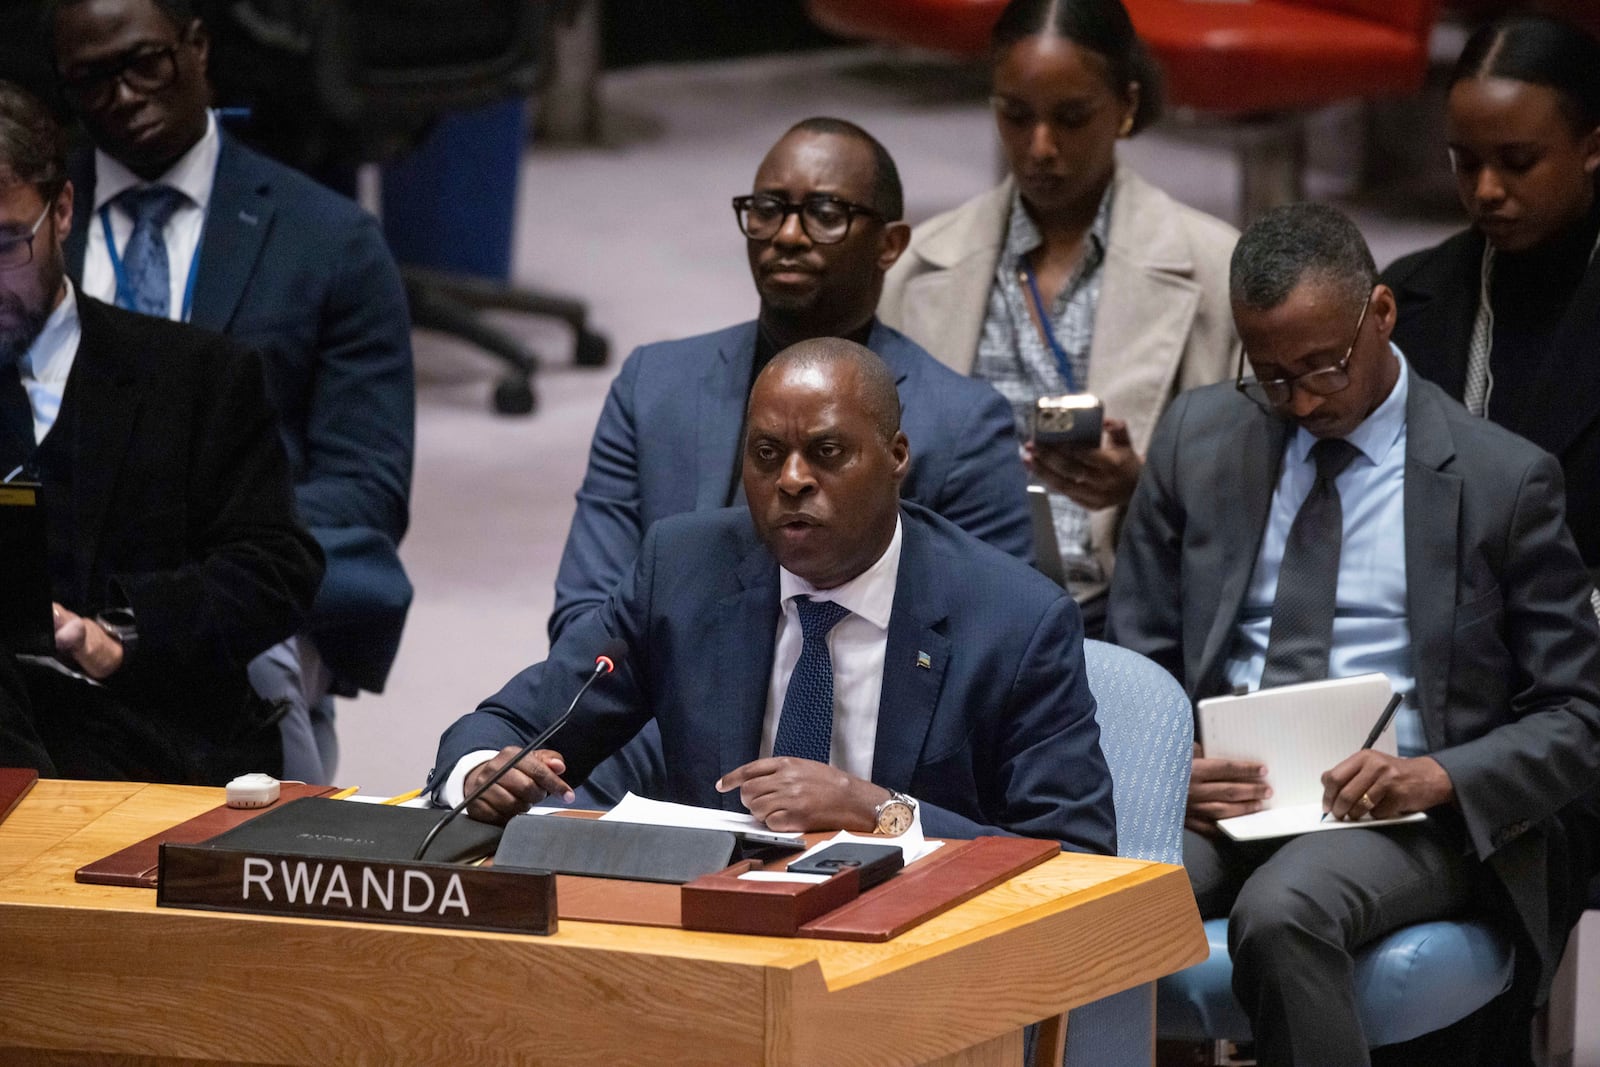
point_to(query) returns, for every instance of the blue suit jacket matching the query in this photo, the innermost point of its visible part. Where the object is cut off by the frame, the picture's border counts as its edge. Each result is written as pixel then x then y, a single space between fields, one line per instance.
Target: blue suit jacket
pixel 668 442
pixel 996 734
pixel 302 275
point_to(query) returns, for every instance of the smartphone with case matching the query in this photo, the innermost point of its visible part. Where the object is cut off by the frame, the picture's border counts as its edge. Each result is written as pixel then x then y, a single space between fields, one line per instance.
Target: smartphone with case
pixel 1069 421
pixel 873 863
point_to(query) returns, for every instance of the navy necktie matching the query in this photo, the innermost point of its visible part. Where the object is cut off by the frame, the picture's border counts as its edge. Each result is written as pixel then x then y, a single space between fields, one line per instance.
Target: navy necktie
pixel 145 285
pixel 805 726
pixel 1301 637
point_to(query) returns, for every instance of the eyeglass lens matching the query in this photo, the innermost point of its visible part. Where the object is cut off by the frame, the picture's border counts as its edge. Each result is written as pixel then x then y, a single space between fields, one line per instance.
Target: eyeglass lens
pixel 146 71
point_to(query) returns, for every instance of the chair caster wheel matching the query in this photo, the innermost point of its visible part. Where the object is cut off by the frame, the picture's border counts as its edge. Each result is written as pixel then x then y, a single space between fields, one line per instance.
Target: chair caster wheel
pixel 514 396
pixel 592 349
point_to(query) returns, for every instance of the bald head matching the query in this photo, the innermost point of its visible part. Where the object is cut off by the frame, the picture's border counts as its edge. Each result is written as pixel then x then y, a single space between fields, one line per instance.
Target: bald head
pixel 872 384
pixel 824 459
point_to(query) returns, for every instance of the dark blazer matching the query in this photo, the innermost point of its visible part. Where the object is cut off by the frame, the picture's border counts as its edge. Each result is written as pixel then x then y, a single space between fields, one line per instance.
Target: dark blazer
pixel 1437 290
pixel 995 734
pixel 1504 644
pixel 668 442
pixel 181 509
pixel 302 275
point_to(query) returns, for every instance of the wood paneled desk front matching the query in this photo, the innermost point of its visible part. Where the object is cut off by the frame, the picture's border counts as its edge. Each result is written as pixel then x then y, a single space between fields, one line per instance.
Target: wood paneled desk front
pixel 100 970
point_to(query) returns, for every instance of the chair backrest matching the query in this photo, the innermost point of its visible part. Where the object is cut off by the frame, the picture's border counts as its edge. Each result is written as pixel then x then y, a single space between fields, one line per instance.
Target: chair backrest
pixel 1414 17
pixel 1147 735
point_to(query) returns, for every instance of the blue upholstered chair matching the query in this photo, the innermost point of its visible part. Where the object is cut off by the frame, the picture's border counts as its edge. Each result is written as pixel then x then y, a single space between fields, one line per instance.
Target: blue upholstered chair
pixel 1146 733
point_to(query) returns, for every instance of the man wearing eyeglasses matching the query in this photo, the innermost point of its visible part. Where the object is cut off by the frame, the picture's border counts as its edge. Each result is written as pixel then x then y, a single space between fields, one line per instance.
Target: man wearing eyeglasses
pixel 821 227
pixel 171 544
pixel 1332 514
pixel 176 219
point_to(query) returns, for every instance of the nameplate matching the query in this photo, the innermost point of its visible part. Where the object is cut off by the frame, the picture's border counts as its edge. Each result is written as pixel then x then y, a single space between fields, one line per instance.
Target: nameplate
pixel 355 890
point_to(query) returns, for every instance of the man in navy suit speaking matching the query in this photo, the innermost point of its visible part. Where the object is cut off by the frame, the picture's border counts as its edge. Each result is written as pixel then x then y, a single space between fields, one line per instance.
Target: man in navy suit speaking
pixel 826 658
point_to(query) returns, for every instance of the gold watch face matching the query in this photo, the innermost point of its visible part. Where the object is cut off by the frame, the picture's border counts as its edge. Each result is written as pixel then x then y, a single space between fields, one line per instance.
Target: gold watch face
pixel 895 818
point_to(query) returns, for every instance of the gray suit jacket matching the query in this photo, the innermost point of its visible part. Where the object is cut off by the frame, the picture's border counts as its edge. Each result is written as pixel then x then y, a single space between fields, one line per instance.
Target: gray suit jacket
pixel 1504 645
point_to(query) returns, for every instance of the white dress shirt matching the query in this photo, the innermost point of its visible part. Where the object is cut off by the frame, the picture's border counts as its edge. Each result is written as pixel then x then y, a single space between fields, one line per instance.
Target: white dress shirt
pixel 857 645
pixel 193 175
pixel 48 361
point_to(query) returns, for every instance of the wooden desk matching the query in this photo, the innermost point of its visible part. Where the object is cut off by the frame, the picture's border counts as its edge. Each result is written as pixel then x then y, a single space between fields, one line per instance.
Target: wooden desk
pixel 101 969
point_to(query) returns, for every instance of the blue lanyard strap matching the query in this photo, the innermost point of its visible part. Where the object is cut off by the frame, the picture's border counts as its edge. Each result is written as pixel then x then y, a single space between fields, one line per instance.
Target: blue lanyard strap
pixel 1062 362
pixel 124 297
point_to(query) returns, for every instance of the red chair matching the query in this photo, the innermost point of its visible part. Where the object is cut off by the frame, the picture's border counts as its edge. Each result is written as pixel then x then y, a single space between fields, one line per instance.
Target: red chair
pixel 1259 65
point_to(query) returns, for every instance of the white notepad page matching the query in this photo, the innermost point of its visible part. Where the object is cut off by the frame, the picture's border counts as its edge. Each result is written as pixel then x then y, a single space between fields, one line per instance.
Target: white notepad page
pixel 1298 731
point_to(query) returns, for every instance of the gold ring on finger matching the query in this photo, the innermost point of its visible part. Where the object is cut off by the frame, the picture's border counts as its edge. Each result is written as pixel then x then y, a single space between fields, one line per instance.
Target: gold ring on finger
pixel 1366 802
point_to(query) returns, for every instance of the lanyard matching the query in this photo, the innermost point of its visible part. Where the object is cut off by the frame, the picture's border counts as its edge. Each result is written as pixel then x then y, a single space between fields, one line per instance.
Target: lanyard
pixel 1064 364
pixel 124 297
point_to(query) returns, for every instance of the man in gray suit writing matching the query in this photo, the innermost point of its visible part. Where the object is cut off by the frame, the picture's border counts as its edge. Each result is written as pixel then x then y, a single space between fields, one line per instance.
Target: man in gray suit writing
pixel 1370 524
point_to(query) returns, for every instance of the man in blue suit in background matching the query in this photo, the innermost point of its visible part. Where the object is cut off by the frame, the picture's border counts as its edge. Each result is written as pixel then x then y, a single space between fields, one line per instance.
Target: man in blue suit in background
pixel 828 657
pixel 176 219
pixel 822 227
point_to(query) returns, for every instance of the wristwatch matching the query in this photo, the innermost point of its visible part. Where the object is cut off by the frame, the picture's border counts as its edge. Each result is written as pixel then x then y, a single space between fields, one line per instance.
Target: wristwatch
pixel 120 624
pixel 896 814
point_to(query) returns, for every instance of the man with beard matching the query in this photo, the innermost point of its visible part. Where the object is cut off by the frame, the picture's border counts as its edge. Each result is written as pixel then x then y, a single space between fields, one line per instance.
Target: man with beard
pixel 827 657
pixel 174 554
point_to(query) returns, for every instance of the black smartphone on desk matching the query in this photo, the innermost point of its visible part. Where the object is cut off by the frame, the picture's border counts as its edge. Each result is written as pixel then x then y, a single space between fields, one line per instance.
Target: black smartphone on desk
pixel 873 863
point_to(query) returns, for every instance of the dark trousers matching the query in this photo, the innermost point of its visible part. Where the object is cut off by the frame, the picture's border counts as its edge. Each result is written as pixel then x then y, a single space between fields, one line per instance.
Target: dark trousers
pixel 1299 908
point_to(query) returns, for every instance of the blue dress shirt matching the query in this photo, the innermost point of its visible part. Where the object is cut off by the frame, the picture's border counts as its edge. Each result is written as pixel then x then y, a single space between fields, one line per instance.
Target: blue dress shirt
pixel 1371 631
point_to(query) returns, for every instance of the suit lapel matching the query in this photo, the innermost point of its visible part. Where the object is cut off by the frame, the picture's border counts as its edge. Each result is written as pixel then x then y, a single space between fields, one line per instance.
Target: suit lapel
pixel 910 691
pixel 237 221
pixel 724 388
pixel 1553 414
pixel 945 307
pixel 1432 508
pixel 742 638
pixel 103 391
pixel 1248 485
pixel 1440 304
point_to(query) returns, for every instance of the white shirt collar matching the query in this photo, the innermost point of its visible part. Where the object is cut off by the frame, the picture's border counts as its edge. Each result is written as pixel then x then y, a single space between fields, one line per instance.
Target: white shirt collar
pixel 869 594
pixel 49 358
pixel 193 174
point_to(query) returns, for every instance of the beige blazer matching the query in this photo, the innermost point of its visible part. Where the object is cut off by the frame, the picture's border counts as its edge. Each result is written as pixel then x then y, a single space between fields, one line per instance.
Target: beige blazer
pixel 1163 324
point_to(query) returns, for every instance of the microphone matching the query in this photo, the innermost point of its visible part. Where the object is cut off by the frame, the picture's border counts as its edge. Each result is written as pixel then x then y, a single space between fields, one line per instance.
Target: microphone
pixel 613 653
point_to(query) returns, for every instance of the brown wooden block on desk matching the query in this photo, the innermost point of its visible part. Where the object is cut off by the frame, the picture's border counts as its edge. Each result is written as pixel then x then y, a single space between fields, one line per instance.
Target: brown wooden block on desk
pixel 137 864
pixel 726 903
pixel 14 785
pixel 953 875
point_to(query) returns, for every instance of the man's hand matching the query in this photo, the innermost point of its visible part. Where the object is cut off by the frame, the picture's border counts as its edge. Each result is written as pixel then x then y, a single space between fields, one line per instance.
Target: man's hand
pixel 1223 789
pixel 86 643
pixel 536 777
pixel 793 795
pixel 1093 478
pixel 1384 787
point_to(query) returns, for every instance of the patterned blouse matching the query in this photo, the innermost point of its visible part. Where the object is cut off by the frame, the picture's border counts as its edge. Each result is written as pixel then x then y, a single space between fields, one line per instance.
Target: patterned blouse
pixel 1015 358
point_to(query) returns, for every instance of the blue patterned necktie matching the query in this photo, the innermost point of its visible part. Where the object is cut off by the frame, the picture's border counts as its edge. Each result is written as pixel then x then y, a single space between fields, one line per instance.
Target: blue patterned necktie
pixel 145 285
pixel 805 726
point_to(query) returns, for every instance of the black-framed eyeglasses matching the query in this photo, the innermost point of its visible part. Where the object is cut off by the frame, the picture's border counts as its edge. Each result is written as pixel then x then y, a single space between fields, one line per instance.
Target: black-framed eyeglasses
pixel 825 219
pixel 143 70
pixel 18 251
pixel 1274 393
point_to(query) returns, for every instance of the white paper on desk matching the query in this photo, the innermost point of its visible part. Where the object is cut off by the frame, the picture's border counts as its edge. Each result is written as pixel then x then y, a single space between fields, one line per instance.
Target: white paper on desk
pixel 1300 819
pixel 639 809
pixel 1298 731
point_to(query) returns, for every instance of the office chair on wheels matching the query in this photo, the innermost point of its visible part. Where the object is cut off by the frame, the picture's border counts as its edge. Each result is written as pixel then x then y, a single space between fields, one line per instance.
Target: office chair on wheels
pixel 338 83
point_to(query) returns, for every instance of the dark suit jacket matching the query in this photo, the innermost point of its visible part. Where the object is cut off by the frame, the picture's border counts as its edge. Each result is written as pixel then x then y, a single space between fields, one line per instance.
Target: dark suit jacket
pixel 181 509
pixel 668 441
pixel 1437 290
pixel 302 275
pixel 996 735
pixel 1504 644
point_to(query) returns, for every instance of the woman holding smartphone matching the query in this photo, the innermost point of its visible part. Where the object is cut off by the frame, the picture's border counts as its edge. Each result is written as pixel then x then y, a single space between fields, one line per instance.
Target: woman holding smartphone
pixel 1505 316
pixel 1074 275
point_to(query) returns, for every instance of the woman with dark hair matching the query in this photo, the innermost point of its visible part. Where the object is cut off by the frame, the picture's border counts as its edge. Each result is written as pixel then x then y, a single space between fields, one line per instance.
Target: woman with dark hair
pixel 1505 316
pixel 1074 275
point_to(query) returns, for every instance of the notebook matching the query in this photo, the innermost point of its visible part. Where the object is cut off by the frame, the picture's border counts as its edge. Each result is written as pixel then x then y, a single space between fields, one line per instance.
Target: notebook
pixel 316 826
pixel 1298 731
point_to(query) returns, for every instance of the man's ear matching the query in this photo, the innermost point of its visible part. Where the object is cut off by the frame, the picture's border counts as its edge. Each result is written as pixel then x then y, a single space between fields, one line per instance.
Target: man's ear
pixel 201 41
pixel 62 210
pixel 900 449
pixel 1385 309
pixel 896 235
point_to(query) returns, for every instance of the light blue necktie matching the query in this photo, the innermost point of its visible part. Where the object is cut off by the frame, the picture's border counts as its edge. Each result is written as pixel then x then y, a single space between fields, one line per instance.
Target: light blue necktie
pixel 805 726
pixel 145 285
